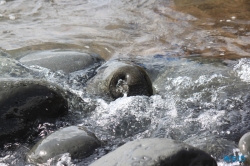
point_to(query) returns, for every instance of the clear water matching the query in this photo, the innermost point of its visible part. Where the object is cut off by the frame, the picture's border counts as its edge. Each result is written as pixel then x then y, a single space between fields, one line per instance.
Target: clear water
pixel 195 52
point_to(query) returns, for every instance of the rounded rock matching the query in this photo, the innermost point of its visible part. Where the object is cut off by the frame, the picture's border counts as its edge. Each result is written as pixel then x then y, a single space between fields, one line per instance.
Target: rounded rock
pixel 22 103
pixel 156 151
pixel 132 80
pixel 244 146
pixel 68 61
pixel 120 79
pixel 74 140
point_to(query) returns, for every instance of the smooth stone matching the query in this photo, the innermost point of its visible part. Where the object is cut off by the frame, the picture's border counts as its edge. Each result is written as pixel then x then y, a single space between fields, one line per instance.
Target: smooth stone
pixel 244 146
pixel 77 141
pixel 156 151
pixel 68 61
pixel 24 102
pixel 217 147
pixel 118 79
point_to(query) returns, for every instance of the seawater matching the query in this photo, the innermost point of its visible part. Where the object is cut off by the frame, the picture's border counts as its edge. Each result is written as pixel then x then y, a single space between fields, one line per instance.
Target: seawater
pixel 194 51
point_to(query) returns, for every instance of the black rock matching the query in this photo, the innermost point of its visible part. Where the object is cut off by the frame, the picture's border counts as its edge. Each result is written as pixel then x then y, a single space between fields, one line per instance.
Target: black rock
pixel 22 103
pixel 119 79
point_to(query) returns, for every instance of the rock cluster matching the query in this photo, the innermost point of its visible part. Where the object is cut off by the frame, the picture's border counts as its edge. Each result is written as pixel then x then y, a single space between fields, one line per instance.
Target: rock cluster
pixel 24 102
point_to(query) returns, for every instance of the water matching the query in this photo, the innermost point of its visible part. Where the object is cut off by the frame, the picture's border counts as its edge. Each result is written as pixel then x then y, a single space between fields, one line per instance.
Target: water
pixel 194 50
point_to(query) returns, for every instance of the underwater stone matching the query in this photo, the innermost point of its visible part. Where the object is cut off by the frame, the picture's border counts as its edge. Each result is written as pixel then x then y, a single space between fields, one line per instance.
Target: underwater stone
pixel 22 103
pixel 77 141
pixel 68 61
pixel 118 78
pixel 213 145
pixel 244 146
pixel 156 151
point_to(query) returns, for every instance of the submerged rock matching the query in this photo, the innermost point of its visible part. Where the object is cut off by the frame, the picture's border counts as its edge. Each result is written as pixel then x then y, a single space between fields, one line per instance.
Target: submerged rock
pixel 22 103
pixel 68 61
pixel 77 141
pixel 217 147
pixel 244 146
pixel 117 79
pixel 156 151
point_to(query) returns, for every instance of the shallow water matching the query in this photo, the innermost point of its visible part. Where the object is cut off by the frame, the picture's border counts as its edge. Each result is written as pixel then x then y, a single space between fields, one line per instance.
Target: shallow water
pixel 194 50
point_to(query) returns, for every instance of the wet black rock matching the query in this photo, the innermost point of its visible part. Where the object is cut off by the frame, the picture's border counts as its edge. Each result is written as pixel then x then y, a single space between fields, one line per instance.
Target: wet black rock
pixel 156 151
pixel 117 79
pixel 25 102
pixel 77 141
pixel 68 61
pixel 244 146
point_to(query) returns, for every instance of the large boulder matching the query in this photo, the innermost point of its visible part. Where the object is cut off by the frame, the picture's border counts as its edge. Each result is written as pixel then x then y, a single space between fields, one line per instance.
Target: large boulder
pixel 156 152
pixel 68 61
pixel 24 102
pixel 118 79
pixel 74 140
